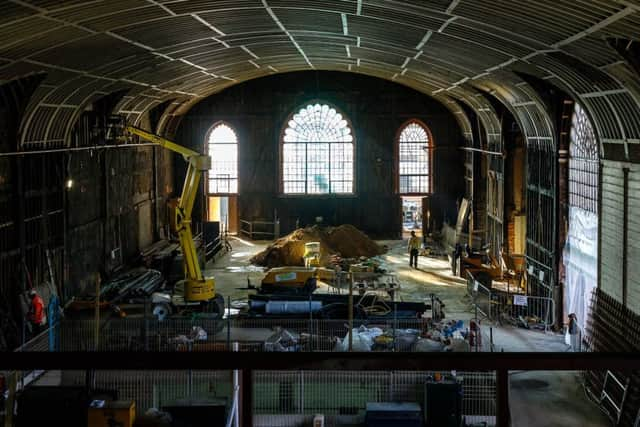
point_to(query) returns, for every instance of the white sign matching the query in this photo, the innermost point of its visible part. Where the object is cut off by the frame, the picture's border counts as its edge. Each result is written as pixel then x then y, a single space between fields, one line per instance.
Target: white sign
pixel 541 275
pixel 475 286
pixel 285 277
pixel 520 300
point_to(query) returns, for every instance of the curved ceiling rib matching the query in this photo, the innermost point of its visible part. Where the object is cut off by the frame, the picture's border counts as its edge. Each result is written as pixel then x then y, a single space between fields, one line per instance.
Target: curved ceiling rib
pixel 526 106
pixel 186 50
pixel 460 116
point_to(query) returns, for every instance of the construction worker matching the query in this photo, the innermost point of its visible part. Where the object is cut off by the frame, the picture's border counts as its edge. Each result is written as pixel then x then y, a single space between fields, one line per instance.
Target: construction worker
pixel 37 316
pixel 574 332
pixel 413 248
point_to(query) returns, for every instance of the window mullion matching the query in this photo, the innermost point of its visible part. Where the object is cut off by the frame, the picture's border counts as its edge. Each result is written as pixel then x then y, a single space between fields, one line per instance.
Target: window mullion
pixel 306 168
pixel 330 170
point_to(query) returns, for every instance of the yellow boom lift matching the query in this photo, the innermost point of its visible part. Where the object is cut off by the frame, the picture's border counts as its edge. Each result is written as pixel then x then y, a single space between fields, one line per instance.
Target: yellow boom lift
pixel 195 289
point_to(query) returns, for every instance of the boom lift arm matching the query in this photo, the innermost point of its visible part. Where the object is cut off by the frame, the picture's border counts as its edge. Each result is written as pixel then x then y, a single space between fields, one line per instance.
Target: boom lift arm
pixel 196 287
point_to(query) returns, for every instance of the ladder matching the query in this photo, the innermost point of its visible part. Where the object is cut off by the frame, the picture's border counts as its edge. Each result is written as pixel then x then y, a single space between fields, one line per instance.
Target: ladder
pixel 607 396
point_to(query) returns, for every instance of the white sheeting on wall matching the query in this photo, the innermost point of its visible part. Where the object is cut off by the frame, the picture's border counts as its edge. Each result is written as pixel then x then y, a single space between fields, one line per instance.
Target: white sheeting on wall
pixel 580 262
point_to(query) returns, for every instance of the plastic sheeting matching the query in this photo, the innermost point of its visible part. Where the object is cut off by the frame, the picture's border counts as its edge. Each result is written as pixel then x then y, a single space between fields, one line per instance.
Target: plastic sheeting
pixel 580 262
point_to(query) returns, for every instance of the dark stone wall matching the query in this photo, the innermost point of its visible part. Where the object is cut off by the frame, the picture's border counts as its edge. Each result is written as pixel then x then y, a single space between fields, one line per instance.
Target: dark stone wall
pixel 110 205
pixel 258 109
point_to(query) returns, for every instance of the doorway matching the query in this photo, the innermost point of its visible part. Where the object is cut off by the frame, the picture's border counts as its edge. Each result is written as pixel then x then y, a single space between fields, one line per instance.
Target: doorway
pixel 411 215
pixel 225 210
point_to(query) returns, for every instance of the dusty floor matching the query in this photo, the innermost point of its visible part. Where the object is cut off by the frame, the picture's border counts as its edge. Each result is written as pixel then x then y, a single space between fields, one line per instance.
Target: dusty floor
pixel 536 398
pixel 433 276
pixel 548 399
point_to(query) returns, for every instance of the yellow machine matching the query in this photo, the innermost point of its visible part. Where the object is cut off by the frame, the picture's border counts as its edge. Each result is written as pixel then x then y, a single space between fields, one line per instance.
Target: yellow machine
pixel 294 280
pixel 311 254
pixel 195 287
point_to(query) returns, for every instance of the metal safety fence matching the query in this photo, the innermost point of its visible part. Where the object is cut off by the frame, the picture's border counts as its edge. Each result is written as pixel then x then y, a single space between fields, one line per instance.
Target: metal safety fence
pixel 504 307
pixel 613 327
pixel 286 398
pixel 293 398
pixel 156 389
pixel 39 342
pixel 131 335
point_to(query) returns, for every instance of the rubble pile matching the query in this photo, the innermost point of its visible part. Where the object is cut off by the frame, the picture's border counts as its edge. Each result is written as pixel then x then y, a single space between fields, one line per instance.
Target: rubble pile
pixel 344 241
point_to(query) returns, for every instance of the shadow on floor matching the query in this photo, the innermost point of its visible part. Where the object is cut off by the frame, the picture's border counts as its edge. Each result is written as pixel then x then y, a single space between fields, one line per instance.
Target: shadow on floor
pixel 549 399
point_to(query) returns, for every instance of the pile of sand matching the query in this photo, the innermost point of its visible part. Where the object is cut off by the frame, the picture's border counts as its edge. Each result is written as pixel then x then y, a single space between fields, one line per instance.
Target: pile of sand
pixel 345 240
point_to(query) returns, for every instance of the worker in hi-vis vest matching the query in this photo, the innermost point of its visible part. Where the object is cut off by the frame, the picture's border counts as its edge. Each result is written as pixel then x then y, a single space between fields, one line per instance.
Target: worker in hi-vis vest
pixel 414 248
pixel 37 315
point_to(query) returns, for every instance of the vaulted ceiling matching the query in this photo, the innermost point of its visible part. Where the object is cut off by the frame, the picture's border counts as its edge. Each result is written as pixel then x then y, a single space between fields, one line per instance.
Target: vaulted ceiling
pixel 184 50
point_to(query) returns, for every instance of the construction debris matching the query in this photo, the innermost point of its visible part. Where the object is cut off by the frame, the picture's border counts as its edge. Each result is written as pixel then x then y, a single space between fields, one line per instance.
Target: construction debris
pixel 282 340
pixel 444 336
pixel 138 282
pixel 363 339
pixel 197 334
pixel 345 240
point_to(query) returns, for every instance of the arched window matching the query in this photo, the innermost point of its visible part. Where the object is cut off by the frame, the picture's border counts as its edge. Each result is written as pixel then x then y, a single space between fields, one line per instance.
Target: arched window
pixel 580 255
pixel 317 152
pixel 223 149
pixel 583 162
pixel 414 159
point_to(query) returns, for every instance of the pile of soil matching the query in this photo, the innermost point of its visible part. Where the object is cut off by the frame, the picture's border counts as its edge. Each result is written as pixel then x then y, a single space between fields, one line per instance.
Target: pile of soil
pixel 344 240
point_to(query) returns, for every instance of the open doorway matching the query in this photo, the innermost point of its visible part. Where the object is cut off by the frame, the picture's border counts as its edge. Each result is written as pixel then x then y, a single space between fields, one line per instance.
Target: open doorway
pixel 224 209
pixel 222 177
pixel 411 215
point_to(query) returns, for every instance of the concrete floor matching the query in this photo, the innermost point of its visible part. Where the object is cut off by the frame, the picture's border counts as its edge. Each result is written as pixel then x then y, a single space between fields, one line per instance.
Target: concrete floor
pixel 549 399
pixel 433 275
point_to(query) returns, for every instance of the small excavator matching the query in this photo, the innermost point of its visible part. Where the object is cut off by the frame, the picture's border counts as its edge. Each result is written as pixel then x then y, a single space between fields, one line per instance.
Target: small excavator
pixel 195 293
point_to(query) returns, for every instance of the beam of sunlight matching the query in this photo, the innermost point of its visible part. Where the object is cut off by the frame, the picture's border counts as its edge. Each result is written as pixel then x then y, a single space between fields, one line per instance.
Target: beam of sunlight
pixel 418 277
pixel 396 260
pixel 244 242
pixel 239 254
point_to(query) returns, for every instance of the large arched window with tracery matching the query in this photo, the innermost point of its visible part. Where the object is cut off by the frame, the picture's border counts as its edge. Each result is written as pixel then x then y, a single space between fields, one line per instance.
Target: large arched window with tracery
pixel 317 152
pixel 414 159
pixel 580 255
pixel 222 144
pixel 583 162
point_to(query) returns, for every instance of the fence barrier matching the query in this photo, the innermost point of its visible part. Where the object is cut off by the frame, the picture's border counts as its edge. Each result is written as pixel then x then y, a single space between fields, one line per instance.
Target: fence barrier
pixel 154 389
pixel 260 230
pixel 499 306
pixel 290 397
pixel 250 335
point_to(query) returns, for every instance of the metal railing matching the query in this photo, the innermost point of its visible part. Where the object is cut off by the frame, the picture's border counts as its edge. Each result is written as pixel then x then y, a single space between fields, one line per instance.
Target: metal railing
pixel 155 389
pixel 260 230
pixel 499 363
pixel 250 335
pixel 38 343
pixel 289 398
pixel 500 306
pixel 480 297
pixel 541 310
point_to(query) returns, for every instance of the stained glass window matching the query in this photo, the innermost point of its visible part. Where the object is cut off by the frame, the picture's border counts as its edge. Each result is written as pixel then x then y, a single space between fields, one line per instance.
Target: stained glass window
pixel 583 162
pixel 414 153
pixel 317 152
pixel 223 149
